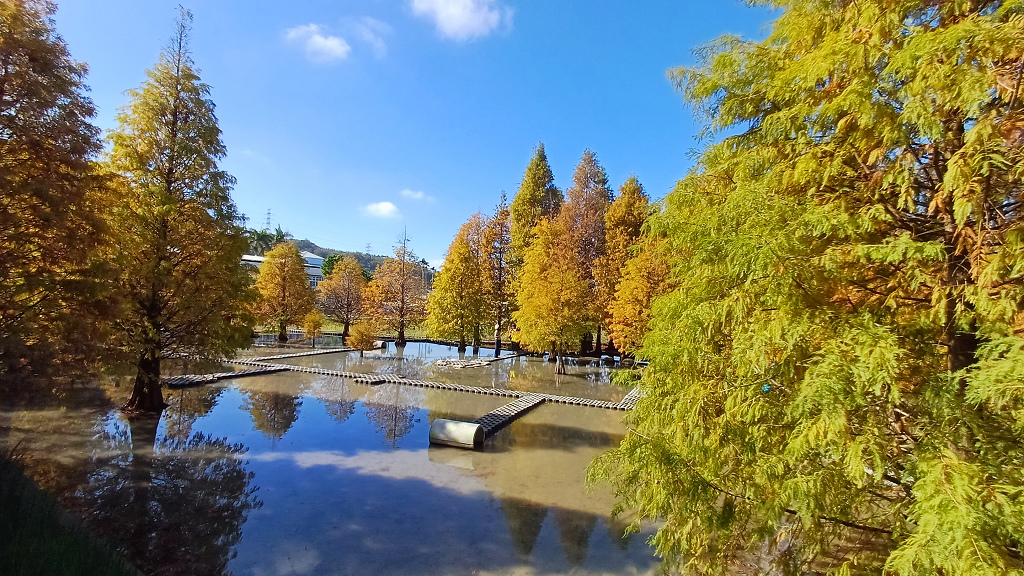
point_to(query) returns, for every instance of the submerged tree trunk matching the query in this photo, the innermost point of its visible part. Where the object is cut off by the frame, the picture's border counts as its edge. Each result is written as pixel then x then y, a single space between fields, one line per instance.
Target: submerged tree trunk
pixel 462 344
pixel 282 332
pixel 559 362
pixel 344 331
pixel 497 339
pixel 476 340
pixel 597 342
pixel 147 393
pixel 400 341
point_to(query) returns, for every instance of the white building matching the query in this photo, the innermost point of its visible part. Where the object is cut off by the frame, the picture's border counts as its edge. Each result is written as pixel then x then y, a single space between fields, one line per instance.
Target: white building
pixel 313 263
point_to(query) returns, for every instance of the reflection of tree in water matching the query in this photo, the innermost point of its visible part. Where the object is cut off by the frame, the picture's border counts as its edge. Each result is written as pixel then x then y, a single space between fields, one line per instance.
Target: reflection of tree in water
pixel 337 396
pixel 524 520
pixel 273 413
pixel 574 530
pixel 187 405
pixel 176 505
pixel 390 412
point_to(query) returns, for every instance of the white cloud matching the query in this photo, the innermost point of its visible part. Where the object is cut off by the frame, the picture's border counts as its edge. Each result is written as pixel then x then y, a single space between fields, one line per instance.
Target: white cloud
pixel 464 19
pixel 381 210
pixel 415 195
pixel 319 45
pixel 372 32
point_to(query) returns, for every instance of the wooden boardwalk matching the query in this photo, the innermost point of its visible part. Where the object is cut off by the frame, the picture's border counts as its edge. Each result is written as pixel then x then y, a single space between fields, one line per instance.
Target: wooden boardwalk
pixel 261 366
pixel 189 380
pixel 498 419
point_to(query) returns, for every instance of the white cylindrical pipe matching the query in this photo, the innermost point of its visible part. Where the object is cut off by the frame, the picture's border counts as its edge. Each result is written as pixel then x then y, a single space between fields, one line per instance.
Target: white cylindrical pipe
pixel 455 433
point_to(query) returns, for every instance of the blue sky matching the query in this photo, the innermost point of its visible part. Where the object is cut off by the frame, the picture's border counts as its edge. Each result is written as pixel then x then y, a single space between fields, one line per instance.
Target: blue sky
pixel 352 120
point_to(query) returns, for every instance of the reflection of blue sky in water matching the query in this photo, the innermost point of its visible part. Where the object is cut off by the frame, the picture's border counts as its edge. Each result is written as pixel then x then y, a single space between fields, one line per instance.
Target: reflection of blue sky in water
pixel 347 484
pixel 529 374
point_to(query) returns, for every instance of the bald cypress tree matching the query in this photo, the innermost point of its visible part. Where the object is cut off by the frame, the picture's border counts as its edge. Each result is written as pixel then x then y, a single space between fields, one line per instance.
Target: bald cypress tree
pixel 179 239
pixel 623 221
pixel 836 380
pixel 50 228
pixel 537 198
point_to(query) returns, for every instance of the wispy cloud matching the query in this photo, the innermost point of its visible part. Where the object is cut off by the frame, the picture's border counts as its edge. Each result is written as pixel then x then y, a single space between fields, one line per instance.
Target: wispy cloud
pixel 415 195
pixel 372 32
pixel 320 46
pixel 381 210
pixel 464 19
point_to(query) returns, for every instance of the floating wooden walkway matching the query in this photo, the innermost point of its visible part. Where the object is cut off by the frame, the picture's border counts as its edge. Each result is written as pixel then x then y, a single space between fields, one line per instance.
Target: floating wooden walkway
pixel 261 366
pixel 190 380
pixel 297 354
pixel 498 419
pixel 364 378
pixel 475 362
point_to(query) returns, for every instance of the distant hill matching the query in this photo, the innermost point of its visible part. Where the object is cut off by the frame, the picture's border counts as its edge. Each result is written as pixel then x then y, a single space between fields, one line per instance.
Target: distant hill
pixel 369 262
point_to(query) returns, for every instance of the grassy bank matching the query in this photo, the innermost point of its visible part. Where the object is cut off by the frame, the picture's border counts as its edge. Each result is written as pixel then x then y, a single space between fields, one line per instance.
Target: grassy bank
pixel 38 538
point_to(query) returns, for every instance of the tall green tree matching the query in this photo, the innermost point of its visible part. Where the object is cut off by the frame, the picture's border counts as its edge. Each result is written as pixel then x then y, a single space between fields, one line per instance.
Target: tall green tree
pixel 285 296
pixel 836 380
pixel 260 241
pixel 537 198
pixel 457 306
pixel 50 201
pixel 178 237
pixel 552 294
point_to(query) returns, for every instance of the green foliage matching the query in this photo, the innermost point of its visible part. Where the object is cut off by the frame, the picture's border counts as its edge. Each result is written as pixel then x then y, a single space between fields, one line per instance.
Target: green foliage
pixel 328 265
pixel 538 197
pixel 838 367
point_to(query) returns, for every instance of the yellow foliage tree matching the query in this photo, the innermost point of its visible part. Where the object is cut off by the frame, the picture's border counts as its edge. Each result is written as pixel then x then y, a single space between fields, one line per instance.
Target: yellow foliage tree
pixel 396 297
pixel 340 295
pixel 178 238
pixel 622 224
pixel 285 294
pixel 363 335
pixel 645 276
pixel 553 295
pixel 457 307
pixel 313 325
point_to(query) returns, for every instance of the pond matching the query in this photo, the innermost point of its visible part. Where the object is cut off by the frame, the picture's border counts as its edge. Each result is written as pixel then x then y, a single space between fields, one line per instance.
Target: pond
pixel 295 473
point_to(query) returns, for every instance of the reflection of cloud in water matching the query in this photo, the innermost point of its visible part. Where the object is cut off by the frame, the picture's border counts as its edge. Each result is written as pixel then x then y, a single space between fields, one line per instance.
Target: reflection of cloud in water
pixel 401 465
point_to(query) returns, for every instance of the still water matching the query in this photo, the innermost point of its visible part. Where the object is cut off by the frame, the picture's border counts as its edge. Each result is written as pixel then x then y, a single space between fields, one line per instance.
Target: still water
pixel 294 473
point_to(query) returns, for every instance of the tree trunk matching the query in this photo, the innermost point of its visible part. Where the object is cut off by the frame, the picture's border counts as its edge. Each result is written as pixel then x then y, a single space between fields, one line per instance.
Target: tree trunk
pixel 462 344
pixel 476 340
pixel 597 342
pixel 559 363
pixel 400 341
pixel 147 393
pixel 344 332
pixel 497 339
pixel 553 355
pixel 282 332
